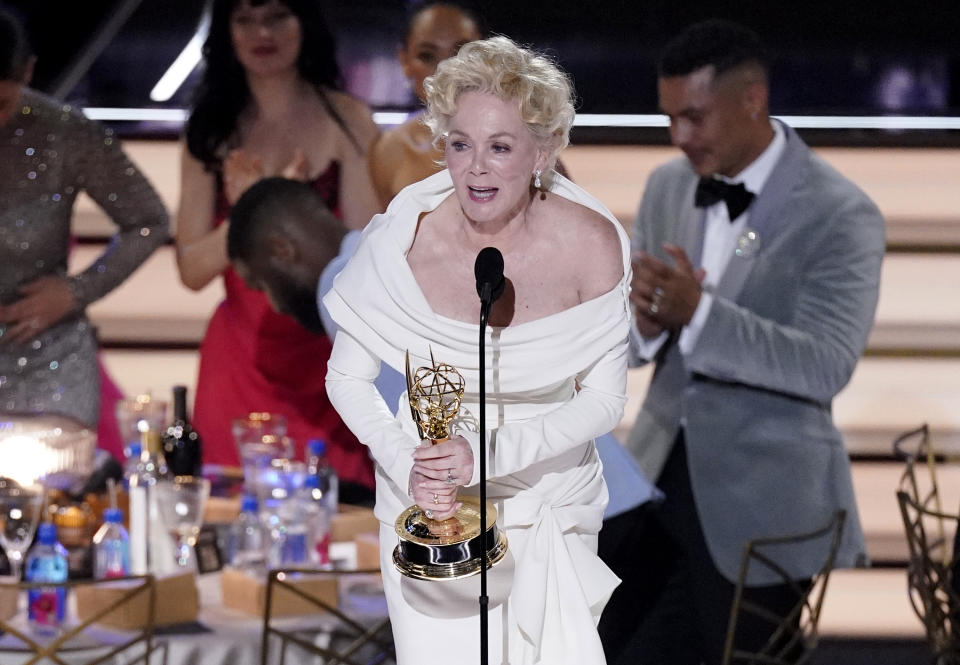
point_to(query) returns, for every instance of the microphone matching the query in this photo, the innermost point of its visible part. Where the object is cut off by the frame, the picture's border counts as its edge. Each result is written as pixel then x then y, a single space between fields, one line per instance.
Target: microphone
pixel 488 269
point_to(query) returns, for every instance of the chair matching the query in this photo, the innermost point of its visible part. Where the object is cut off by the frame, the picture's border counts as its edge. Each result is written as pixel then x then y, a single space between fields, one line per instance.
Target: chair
pixel 933 587
pixel 351 638
pixel 922 488
pixel 84 635
pixel 915 448
pixel 794 634
pixel 930 533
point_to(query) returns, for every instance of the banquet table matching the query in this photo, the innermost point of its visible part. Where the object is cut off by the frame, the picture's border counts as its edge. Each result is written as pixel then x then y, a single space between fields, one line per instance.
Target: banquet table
pixel 226 636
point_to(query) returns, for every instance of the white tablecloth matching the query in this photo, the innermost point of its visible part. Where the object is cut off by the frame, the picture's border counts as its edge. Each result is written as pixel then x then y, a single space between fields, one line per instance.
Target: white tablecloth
pixel 234 637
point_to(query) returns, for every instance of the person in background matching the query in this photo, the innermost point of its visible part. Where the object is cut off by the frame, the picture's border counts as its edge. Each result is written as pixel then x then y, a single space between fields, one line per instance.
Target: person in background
pixel 755 282
pixel 268 104
pixel 285 242
pixel 434 32
pixel 49 153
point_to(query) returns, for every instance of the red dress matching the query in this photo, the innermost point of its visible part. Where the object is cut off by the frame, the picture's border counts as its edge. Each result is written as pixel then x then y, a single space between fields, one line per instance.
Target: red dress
pixel 254 359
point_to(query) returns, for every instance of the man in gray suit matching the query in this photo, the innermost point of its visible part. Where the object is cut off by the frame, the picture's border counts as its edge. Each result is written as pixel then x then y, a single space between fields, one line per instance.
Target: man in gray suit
pixel 756 274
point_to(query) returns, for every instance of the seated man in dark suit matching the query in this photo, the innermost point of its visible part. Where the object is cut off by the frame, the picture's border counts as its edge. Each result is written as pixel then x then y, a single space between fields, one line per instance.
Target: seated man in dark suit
pixel 756 278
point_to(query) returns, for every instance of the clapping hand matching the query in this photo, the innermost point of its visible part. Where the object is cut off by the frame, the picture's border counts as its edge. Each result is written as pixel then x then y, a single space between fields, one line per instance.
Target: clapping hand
pixel 664 297
pixel 44 302
pixel 298 168
pixel 438 472
pixel 241 170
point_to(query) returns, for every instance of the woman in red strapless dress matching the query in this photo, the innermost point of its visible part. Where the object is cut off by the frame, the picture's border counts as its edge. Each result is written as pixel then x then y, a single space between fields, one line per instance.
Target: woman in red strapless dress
pixel 268 104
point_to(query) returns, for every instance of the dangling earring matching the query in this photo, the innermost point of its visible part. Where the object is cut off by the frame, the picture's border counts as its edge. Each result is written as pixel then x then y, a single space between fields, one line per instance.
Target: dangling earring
pixel 536 179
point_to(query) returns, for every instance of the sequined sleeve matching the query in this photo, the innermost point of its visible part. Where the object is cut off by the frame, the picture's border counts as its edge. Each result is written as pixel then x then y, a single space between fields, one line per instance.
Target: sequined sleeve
pixel 99 166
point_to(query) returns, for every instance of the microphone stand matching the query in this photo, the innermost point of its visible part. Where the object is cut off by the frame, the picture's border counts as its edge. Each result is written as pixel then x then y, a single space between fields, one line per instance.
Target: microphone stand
pixel 486 300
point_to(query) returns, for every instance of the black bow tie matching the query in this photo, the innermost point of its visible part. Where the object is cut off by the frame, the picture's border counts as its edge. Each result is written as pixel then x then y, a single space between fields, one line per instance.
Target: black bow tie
pixel 712 190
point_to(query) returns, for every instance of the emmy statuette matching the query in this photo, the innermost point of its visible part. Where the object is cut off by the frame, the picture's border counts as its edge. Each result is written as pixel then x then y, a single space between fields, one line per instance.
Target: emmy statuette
pixel 452 548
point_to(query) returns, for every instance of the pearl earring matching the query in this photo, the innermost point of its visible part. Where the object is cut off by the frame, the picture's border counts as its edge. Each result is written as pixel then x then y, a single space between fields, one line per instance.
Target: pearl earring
pixel 536 179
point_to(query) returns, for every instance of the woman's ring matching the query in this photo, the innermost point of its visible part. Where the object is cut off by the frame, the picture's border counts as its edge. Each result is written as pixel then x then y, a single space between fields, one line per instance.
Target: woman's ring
pixel 450 479
pixel 429 514
pixel 436 498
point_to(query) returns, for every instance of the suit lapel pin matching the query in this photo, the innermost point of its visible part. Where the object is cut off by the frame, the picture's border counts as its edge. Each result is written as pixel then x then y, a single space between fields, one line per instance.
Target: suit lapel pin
pixel 748 244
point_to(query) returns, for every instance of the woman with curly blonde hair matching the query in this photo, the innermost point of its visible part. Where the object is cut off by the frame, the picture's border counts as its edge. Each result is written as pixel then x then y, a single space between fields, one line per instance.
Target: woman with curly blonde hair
pixel 556 368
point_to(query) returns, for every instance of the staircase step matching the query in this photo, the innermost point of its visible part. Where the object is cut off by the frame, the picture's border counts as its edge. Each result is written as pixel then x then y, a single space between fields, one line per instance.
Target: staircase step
pixel 915 188
pixel 885 397
pixel 152 307
pixel 918 312
pixel 137 371
pixel 869 603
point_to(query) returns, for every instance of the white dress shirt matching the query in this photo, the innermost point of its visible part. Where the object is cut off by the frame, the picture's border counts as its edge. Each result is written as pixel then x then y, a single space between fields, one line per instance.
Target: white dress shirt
pixel 719 242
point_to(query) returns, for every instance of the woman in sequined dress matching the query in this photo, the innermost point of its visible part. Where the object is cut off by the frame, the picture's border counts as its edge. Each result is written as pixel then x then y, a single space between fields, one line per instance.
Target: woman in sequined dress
pixel 49 153
pixel 268 104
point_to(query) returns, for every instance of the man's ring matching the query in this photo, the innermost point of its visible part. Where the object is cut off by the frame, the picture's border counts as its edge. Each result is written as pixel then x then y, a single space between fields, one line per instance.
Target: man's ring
pixel 657 293
pixel 436 498
pixel 429 514
pixel 654 307
pixel 450 479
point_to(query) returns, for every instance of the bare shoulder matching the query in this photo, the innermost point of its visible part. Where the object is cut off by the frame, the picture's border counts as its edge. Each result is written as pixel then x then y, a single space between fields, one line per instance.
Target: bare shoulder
pixel 356 116
pixel 589 241
pixel 388 148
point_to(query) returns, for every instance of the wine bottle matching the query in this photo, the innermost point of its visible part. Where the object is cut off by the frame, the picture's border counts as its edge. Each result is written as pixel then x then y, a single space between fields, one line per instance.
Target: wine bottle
pixel 182 447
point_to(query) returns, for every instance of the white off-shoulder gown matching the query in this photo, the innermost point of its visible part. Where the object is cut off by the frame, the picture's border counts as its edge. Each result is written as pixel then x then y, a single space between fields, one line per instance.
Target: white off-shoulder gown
pixel 553 384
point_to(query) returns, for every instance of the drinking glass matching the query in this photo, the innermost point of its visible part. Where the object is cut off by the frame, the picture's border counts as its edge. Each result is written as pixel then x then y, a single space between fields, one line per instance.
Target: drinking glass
pixel 260 438
pixel 276 485
pixel 140 414
pixel 181 501
pixel 20 509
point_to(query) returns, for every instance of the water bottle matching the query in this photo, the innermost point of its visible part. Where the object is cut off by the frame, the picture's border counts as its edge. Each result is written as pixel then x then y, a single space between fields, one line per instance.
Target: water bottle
pixel 111 547
pixel 46 562
pixel 246 537
pixel 294 546
pixel 151 549
pixel 130 463
pixel 318 465
pixel 316 518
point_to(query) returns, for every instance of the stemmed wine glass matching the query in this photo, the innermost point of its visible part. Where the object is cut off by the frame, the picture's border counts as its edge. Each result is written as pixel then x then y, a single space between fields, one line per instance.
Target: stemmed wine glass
pixel 181 501
pixel 20 509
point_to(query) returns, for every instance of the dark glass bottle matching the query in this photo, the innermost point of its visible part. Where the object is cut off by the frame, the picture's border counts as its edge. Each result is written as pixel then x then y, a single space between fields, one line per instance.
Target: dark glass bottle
pixel 181 443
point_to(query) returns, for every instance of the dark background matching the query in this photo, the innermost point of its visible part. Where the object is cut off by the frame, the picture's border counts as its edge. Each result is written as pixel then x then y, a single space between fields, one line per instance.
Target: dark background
pixel 841 57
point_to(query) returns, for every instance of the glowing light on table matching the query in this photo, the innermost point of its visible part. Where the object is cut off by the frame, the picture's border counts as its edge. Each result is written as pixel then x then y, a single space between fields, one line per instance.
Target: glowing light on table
pixel 25 459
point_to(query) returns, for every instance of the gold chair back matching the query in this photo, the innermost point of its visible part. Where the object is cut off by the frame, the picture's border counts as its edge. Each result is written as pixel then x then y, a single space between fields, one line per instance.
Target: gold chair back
pixel 794 634
pixel 919 478
pixel 77 637
pixel 934 590
pixel 931 533
pixel 350 637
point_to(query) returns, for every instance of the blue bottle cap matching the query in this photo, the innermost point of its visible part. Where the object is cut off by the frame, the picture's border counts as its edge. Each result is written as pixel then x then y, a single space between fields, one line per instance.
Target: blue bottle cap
pixel 249 503
pixel 113 515
pixel 317 446
pixel 311 482
pixel 135 449
pixel 47 533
